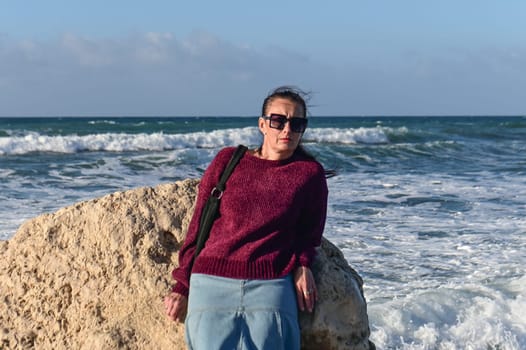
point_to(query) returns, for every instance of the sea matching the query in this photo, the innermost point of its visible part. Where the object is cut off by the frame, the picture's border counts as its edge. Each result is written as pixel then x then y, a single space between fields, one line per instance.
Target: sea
pixel 431 211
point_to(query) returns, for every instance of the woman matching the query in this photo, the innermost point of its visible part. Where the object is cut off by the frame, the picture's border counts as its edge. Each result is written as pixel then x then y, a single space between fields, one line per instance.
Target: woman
pixel 245 284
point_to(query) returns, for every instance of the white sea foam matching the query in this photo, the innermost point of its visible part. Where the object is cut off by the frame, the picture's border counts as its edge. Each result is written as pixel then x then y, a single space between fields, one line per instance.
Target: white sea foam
pixel 120 142
pixel 442 257
pixel 109 122
pixel 376 135
pixel 465 316
pixel 113 142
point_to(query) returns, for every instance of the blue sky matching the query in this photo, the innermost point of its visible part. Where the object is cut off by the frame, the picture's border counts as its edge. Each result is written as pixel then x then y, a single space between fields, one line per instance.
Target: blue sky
pixel 174 58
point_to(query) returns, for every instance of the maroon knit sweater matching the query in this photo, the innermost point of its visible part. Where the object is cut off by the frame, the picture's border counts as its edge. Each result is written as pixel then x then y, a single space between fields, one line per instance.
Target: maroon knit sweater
pixel 271 218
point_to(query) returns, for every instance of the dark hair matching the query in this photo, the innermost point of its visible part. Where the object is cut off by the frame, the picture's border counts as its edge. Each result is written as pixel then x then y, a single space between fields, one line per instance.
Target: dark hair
pixel 288 92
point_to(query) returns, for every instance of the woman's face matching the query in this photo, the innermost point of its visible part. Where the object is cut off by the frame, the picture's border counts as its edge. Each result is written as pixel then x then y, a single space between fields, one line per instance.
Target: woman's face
pixel 280 144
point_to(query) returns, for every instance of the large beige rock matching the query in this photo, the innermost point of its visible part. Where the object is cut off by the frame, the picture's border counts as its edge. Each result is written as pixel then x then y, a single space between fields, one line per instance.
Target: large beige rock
pixel 340 319
pixel 93 275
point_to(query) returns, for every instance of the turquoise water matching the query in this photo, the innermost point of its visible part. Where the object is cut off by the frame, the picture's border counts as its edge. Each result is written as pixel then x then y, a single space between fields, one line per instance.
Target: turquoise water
pixel 430 210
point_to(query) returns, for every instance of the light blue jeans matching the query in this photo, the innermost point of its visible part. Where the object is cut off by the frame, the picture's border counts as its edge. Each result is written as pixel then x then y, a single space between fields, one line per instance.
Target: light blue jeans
pixel 234 314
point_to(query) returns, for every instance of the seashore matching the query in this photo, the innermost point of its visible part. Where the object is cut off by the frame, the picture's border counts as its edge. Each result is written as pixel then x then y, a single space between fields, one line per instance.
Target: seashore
pixel 92 276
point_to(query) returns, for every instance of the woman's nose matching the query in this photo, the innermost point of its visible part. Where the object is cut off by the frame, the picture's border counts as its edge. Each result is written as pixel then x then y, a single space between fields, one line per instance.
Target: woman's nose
pixel 286 128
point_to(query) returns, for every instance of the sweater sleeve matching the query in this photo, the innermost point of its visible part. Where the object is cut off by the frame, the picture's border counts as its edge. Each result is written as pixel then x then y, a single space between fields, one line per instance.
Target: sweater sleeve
pixel 210 178
pixel 313 217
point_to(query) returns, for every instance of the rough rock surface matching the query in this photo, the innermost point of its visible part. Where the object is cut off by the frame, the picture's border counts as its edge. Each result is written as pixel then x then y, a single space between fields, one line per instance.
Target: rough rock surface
pixel 93 275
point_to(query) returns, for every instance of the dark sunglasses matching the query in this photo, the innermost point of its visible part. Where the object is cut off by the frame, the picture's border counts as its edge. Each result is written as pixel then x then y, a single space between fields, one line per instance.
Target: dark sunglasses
pixel 278 121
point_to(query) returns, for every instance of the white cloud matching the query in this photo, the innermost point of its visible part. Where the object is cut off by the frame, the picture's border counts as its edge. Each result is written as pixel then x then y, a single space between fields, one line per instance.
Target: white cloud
pixel 153 73
pixel 157 48
pixel 88 52
pixel 202 74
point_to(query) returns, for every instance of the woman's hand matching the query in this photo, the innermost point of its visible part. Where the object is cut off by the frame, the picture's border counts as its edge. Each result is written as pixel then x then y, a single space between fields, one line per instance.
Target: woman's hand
pixel 176 306
pixel 306 291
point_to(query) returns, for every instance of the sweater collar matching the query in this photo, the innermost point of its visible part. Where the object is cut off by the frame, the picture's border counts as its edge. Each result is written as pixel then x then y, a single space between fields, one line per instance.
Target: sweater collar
pixel 267 162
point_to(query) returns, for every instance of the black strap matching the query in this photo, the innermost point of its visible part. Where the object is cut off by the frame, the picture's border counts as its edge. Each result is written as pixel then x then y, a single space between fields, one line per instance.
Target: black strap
pixel 211 208
pixel 236 157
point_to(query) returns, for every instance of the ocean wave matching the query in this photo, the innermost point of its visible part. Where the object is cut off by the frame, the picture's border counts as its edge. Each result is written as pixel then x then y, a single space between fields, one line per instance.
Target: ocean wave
pixel 120 142
pixel 377 135
pixel 110 122
pixel 33 142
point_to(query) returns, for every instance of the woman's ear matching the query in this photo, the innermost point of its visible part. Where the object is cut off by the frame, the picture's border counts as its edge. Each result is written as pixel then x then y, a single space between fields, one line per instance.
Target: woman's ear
pixel 262 125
